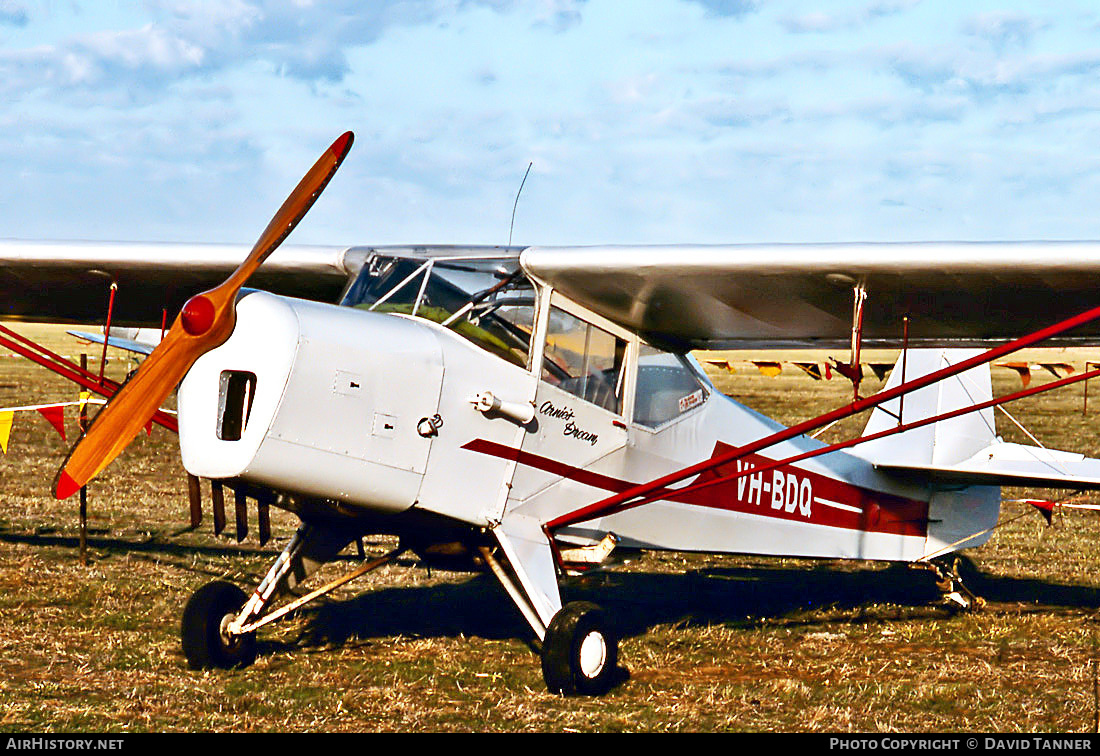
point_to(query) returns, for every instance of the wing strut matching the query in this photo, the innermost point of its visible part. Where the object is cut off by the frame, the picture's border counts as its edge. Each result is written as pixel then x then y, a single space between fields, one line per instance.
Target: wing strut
pixel 640 494
pixel 107 329
pixel 853 371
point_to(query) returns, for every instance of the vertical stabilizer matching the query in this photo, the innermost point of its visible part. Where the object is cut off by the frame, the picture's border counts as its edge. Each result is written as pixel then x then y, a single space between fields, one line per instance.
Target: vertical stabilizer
pixel 960 516
pixel 942 443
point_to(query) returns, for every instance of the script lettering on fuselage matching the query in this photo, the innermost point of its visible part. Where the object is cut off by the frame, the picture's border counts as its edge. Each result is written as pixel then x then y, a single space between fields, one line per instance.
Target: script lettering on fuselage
pixel 571 428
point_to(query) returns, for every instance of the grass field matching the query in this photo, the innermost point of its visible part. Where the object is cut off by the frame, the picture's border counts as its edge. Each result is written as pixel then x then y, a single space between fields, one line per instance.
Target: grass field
pixel 711 643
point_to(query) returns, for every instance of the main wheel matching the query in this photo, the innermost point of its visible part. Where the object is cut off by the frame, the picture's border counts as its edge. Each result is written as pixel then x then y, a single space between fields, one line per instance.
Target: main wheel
pixel 206 643
pixel 580 651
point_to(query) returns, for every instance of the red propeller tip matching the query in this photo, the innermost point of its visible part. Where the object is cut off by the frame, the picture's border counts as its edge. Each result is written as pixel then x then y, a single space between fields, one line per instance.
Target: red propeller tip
pixel 66 486
pixel 342 143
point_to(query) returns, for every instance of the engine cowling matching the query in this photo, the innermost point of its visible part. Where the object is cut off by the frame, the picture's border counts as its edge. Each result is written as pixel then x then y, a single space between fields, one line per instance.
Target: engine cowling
pixel 316 400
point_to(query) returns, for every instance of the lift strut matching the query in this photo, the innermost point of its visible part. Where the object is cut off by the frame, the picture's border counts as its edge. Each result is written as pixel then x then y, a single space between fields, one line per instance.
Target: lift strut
pixel 637 495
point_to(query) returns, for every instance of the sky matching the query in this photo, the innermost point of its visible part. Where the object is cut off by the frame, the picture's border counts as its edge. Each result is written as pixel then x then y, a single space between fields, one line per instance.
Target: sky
pixel 644 121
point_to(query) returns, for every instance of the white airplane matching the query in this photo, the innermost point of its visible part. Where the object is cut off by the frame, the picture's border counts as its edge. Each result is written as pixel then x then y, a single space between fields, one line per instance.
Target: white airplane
pixel 528 410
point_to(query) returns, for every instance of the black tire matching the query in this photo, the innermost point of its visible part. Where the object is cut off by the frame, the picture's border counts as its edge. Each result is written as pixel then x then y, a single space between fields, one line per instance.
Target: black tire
pixel 580 651
pixel 204 644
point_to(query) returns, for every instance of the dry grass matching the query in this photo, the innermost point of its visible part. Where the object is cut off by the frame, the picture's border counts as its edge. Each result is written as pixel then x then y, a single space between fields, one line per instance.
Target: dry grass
pixel 711 643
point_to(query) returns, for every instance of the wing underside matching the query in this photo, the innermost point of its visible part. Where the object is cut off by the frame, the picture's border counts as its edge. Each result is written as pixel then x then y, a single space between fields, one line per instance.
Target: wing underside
pixel 788 295
pixel 70 282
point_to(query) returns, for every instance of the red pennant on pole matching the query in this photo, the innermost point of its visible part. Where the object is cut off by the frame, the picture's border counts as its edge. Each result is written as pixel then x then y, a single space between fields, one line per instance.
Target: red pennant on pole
pixel 56 418
pixel 149 428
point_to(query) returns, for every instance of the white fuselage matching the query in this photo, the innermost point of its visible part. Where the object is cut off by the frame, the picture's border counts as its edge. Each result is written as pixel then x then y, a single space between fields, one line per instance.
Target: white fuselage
pixel 375 411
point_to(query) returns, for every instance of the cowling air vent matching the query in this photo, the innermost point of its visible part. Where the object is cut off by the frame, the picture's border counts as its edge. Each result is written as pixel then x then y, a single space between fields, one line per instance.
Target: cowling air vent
pixel 236 390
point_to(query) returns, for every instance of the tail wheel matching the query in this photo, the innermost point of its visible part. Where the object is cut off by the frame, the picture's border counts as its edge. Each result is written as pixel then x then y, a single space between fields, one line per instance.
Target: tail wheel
pixel 580 651
pixel 206 644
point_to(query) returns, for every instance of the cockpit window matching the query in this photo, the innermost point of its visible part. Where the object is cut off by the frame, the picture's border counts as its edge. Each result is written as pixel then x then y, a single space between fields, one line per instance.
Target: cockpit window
pixel 487 301
pixel 584 360
pixel 667 388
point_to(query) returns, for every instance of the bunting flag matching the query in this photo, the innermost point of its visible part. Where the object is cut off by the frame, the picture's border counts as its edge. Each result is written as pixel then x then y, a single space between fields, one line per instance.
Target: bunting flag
pixel 881 369
pixel 1057 369
pixel 816 371
pixel 722 364
pixel 811 369
pixel 1046 508
pixel 5 428
pixel 770 369
pixel 851 372
pixel 55 415
pixel 1022 369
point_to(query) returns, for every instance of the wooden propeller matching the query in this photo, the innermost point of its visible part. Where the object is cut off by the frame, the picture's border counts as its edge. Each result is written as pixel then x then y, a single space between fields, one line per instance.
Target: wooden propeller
pixel 205 322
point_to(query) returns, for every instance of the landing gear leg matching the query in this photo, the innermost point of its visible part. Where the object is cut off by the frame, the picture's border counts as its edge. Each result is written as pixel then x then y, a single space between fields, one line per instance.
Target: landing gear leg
pixel 220 621
pixel 580 649
pixel 212 620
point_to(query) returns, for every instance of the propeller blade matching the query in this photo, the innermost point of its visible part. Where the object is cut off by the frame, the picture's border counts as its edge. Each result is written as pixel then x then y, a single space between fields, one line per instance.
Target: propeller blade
pixel 205 322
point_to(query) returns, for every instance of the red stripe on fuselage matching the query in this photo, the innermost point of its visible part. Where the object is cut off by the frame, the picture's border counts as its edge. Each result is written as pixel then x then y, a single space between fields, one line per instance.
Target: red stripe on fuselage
pixel 791 493
pixel 786 493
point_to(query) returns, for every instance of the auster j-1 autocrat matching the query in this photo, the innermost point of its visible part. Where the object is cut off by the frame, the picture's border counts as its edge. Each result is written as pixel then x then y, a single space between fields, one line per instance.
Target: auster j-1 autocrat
pixel 528 411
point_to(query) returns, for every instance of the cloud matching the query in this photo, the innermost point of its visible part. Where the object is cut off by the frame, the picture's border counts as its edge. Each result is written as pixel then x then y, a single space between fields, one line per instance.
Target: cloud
pixel 131 62
pixel 13 13
pixel 558 15
pixel 824 22
pixel 1004 28
pixel 728 8
pixel 958 69
pixel 298 39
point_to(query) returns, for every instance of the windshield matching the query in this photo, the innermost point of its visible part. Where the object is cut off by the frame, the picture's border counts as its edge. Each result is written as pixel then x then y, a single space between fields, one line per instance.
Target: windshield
pixel 487 301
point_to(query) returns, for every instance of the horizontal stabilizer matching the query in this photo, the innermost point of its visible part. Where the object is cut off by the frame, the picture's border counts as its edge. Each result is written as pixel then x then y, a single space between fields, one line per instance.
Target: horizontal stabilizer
pixel 129 345
pixel 1004 464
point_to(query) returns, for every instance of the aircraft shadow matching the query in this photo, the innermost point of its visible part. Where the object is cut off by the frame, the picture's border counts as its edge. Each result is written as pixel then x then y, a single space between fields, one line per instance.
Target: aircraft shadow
pixel 154 545
pixel 640 601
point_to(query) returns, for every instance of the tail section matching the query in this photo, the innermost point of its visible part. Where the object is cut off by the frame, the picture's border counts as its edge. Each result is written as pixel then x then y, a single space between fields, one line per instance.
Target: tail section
pixel 961 460
pixel 959 515
pixel 939 444
pixel 964 450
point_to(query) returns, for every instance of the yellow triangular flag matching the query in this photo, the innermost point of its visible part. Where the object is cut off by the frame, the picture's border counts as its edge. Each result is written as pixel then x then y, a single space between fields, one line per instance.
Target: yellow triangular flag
pixel 5 429
pixel 84 397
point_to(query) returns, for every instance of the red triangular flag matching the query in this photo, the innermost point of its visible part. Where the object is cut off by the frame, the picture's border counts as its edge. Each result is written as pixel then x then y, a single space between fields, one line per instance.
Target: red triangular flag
pixel 1046 508
pixel 56 417
pixel 149 428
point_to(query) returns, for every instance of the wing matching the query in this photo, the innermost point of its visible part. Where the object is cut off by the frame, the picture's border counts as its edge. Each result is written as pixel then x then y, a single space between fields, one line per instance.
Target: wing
pixel 69 282
pixel 787 295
